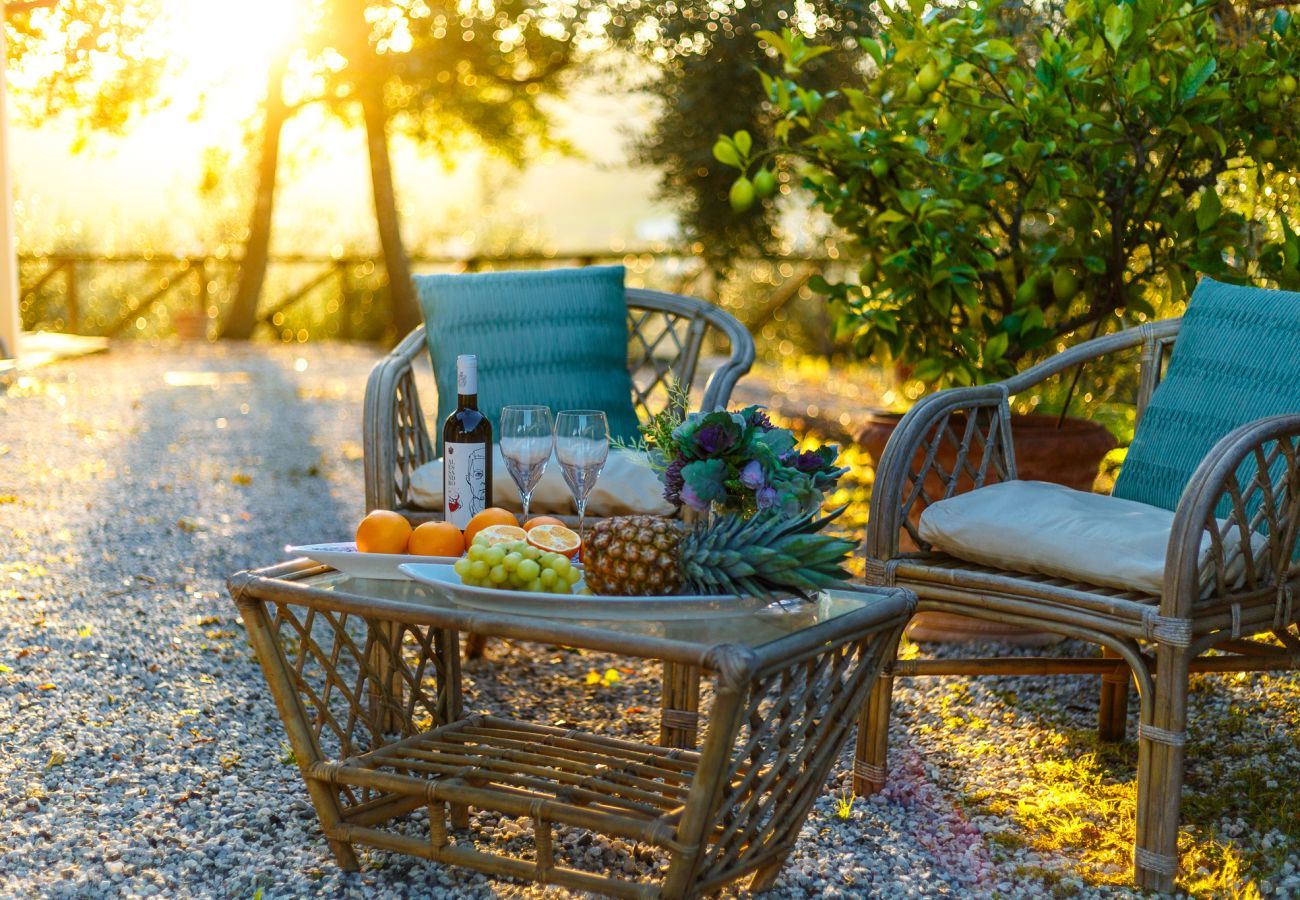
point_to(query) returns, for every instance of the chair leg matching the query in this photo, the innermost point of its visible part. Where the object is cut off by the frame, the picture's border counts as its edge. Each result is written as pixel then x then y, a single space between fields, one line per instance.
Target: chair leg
pixel 1162 733
pixel 345 856
pixel 766 874
pixel 869 759
pixel 679 713
pixel 1112 716
pixel 475 645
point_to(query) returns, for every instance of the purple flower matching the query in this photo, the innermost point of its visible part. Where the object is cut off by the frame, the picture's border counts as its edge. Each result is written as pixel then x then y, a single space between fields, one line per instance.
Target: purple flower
pixel 715 439
pixel 761 421
pixel 673 481
pixel 751 476
pixel 692 499
pixel 807 462
pixel 766 497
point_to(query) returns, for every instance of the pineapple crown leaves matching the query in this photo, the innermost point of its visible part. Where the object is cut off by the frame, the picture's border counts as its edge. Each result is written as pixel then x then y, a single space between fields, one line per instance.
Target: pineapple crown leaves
pixel 765 554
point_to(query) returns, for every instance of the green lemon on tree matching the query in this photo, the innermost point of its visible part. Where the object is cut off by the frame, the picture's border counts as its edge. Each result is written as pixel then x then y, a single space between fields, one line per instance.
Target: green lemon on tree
pixel 1268 99
pixel 1266 148
pixel 928 78
pixel 764 183
pixel 867 273
pixel 913 94
pixel 1286 85
pixel 741 194
pixel 1064 285
pixel 942 119
pixel 880 167
pixel 1028 291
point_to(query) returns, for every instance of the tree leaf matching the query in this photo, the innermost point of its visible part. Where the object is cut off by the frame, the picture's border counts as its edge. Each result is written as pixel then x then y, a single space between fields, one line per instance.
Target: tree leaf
pixel 1281 22
pixel 1208 211
pixel 743 142
pixel 1119 25
pixel 990 159
pixel 996 346
pixel 1195 77
pixel 995 49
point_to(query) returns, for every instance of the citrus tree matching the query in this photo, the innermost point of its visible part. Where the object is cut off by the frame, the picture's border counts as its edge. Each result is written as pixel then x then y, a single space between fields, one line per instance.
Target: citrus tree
pixel 1000 194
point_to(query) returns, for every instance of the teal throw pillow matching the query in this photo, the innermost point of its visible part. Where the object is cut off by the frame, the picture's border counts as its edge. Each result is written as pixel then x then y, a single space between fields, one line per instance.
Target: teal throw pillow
pixel 553 337
pixel 1236 359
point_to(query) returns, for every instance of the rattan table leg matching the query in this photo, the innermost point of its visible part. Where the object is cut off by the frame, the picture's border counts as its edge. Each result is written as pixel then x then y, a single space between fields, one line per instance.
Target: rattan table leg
pixel 872 751
pixel 679 715
pixel 385 683
pixel 301 739
pixel 451 697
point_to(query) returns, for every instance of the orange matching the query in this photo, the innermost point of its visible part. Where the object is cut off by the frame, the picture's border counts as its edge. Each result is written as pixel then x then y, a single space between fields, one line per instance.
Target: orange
pixel 541 520
pixel 555 538
pixel 493 515
pixel 436 539
pixel 383 531
pixel 500 534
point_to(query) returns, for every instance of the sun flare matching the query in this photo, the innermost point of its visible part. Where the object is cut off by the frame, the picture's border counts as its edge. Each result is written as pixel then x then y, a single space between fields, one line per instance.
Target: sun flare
pixel 225 47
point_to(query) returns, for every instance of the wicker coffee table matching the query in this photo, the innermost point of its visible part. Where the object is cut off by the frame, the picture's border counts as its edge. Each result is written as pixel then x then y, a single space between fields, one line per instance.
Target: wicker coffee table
pixel 366 678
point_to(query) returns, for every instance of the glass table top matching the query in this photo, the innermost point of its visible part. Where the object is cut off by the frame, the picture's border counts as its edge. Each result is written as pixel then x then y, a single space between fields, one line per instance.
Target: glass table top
pixel 721 625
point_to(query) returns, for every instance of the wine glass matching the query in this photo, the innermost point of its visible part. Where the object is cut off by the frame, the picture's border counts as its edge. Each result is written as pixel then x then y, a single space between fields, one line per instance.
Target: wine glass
pixel 526 442
pixel 582 446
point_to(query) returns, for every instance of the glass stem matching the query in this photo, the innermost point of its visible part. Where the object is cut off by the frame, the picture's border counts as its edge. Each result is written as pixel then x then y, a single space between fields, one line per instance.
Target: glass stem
pixel 527 497
pixel 582 519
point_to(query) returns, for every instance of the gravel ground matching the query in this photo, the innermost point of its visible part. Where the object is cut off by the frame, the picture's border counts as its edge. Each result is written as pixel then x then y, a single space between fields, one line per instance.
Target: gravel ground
pixel 140 753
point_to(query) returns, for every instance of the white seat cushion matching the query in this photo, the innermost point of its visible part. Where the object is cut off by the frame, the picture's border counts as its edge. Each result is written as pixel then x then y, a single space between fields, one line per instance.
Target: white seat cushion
pixel 1048 529
pixel 627 486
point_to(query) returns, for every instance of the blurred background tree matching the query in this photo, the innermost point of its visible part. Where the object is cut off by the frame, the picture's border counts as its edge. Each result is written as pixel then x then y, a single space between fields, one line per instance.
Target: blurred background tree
pixel 91 60
pixel 701 57
pixel 444 75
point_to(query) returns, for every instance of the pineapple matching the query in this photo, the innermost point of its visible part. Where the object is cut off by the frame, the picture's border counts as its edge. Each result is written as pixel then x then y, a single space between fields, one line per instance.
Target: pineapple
pixel 631 555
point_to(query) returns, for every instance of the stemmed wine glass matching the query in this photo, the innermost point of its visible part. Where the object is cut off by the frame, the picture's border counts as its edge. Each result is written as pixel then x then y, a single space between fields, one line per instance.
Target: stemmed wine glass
pixel 582 446
pixel 526 442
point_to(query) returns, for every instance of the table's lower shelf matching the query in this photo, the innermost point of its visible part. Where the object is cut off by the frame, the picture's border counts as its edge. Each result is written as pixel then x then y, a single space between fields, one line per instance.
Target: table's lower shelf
pixel 554 776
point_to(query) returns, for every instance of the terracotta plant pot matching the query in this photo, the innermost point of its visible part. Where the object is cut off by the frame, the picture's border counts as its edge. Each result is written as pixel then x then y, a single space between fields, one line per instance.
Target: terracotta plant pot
pixel 190 325
pixel 1070 455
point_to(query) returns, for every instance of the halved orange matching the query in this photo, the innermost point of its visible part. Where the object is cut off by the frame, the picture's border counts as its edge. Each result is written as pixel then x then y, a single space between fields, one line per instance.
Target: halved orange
pixel 541 520
pixel 555 538
pixel 493 515
pixel 500 534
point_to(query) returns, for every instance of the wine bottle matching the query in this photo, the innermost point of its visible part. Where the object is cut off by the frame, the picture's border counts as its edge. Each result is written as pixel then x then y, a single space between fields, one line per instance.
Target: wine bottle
pixel 466 451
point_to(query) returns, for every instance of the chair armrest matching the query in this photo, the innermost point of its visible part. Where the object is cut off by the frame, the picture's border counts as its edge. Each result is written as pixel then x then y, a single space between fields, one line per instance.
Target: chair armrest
pixel 717 393
pixel 1262 503
pixel 911 472
pixel 394 435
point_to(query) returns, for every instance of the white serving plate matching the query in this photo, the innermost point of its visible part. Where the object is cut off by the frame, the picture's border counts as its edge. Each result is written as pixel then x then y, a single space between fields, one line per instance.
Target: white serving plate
pixel 345 557
pixel 578 606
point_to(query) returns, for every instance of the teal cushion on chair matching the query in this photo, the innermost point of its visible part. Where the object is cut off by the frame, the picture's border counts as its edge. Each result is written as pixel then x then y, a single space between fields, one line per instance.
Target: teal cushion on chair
pixel 1236 359
pixel 554 337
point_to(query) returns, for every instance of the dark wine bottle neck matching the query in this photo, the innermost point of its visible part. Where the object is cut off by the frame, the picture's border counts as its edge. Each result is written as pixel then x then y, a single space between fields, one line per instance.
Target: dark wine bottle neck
pixel 467 401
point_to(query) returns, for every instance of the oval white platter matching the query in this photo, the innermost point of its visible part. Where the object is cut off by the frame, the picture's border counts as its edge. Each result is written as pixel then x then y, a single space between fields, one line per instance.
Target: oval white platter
pixel 579 606
pixel 345 557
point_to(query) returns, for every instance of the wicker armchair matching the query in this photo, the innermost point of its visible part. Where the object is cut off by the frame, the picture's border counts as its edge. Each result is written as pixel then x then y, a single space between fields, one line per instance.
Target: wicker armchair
pixel 666 334
pixel 1156 640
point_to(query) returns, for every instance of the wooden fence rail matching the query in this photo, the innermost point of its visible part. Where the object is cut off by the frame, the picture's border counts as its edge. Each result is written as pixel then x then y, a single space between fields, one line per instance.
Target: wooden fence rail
pixel 59 280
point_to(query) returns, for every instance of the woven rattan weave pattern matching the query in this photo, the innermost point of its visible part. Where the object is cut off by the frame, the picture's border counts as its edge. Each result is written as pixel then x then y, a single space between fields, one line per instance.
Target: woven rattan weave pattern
pixel 369 692
pixel 1210 602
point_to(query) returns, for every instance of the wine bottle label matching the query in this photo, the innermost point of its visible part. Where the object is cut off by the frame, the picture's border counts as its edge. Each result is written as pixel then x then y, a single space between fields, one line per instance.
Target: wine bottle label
pixel 464 482
pixel 466 375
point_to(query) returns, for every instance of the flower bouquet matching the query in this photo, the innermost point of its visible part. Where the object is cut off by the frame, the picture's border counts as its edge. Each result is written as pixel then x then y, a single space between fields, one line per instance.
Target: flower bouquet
pixel 738 462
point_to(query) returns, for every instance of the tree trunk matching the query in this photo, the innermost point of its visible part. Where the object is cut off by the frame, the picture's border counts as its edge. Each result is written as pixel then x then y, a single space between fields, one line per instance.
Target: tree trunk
pixel 242 318
pixel 405 307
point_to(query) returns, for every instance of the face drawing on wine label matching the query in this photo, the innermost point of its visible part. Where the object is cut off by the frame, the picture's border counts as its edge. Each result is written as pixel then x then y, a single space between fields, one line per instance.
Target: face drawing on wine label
pixel 478 478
